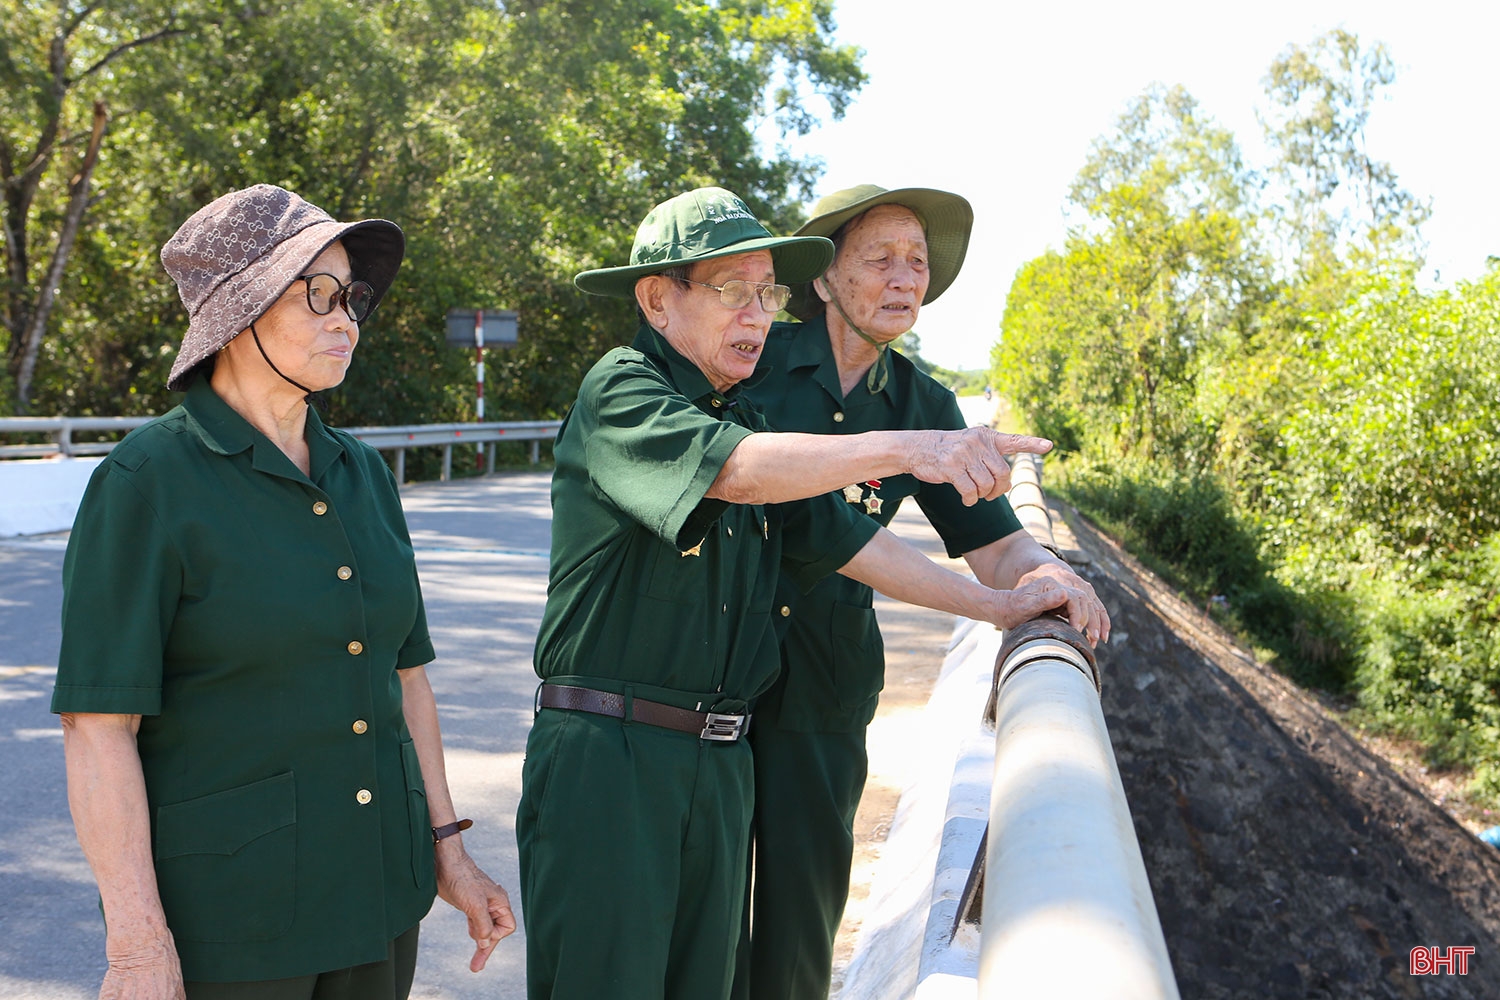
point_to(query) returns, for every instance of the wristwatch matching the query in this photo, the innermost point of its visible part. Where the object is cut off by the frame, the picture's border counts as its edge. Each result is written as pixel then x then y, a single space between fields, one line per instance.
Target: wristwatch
pixel 448 830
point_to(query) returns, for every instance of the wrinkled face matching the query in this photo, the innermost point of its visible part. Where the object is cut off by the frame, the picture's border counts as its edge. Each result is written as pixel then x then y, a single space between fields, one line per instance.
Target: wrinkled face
pixel 723 343
pixel 314 350
pixel 880 274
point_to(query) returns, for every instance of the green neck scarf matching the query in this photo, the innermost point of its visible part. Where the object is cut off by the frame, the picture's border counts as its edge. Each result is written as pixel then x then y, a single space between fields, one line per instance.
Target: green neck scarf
pixel 880 371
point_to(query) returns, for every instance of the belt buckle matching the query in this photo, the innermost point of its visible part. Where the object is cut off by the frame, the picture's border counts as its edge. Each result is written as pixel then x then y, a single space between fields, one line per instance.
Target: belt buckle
pixel 725 728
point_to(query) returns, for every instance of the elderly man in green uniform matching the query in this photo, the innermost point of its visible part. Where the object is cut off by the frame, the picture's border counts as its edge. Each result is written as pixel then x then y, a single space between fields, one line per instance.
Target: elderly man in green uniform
pixel 835 374
pixel 674 513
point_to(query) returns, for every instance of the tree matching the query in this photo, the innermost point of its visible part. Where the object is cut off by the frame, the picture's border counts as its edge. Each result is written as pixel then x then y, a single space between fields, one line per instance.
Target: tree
pixel 1338 197
pixel 516 145
pixel 1103 342
pixel 50 141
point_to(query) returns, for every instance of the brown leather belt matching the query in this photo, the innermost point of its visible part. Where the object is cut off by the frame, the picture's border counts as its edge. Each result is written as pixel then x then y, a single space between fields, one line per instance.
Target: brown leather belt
pixel 704 725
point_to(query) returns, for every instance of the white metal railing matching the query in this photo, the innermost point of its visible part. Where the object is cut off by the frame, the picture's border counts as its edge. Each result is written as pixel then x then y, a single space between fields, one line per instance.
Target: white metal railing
pixel 397 439
pixel 1067 909
pixel 61 430
pixel 446 436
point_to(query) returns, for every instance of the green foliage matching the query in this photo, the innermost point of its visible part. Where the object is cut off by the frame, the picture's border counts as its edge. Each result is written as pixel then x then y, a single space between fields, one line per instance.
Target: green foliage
pixel 515 144
pixel 962 383
pixel 1429 662
pixel 1102 344
pixel 1266 409
pixel 1182 520
pixel 1184 525
pixel 1338 200
pixel 1399 460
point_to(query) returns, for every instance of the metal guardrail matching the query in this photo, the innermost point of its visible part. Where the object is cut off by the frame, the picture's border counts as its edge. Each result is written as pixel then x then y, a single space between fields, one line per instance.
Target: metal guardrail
pixel 397 439
pixel 1066 910
pixel 61 430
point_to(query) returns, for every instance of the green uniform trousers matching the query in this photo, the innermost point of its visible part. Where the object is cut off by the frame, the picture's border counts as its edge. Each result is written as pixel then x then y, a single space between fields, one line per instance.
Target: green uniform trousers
pixel 387 980
pixel 633 841
pixel 807 790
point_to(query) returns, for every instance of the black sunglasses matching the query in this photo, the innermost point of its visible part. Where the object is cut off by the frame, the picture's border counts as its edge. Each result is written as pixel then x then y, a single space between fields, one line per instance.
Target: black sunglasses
pixel 324 291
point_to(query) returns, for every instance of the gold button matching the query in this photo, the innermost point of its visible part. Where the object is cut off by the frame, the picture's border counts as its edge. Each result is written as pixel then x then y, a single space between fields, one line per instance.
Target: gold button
pixel 356 647
pixel 320 508
pixel 718 403
pixel 838 418
pixel 345 572
pixel 360 725
pixel 785 611
pixel 363 796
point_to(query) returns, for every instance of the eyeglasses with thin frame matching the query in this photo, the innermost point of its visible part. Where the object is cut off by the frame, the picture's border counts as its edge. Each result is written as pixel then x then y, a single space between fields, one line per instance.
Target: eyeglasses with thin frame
pixel 737 294
pixel 324 291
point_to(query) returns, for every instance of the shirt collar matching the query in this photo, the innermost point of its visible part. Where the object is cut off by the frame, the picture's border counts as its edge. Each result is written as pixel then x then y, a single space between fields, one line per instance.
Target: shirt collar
pixel 811 348
pixel 223 431
pixel 685 375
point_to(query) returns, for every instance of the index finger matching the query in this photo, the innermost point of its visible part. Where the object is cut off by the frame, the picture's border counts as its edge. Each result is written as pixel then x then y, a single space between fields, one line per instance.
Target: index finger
pixel 1009 444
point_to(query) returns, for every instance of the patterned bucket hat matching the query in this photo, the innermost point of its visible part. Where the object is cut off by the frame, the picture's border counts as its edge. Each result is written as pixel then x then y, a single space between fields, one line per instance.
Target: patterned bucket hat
pixel 947 219
pixel 701 225
pixel 238 254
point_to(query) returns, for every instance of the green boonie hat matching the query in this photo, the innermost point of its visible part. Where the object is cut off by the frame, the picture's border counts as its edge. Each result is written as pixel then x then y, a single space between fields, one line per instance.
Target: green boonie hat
pixel 947 219
pixel 701 225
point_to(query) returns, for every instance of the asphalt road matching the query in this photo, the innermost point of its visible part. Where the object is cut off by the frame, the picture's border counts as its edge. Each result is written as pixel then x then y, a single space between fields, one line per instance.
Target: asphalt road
pixel 482 554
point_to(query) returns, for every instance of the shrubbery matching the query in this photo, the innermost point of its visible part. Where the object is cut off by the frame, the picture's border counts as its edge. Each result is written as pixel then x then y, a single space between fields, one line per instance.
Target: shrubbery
pixel 1267 408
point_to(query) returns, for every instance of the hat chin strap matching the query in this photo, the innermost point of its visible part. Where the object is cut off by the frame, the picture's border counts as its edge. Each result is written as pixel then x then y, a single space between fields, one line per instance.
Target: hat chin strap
pixel 880 371
pixel 309 398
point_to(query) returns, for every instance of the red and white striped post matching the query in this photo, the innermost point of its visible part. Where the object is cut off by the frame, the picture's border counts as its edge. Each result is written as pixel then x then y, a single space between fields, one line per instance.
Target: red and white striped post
pixel 479 379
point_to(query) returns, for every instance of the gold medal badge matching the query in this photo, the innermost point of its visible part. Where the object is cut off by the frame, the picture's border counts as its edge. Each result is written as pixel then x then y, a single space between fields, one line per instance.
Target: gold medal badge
pixel 855 494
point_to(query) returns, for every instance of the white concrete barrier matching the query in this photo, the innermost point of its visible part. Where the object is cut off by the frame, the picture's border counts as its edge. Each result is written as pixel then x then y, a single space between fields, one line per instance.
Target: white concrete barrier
pixel 906 948
pixel 41 495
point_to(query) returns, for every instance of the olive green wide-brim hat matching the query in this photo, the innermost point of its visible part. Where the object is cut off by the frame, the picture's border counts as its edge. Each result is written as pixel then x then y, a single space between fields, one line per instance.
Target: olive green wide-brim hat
pixel 704 224
pixel 947 219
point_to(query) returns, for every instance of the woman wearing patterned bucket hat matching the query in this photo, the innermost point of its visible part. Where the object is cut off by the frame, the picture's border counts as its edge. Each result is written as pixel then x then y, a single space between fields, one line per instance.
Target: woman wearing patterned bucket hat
pixel 254 763
pixel 674 513
pixel 836 373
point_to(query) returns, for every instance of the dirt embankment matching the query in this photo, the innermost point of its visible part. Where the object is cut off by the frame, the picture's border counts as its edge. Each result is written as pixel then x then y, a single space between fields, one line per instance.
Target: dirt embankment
pixel 1287 860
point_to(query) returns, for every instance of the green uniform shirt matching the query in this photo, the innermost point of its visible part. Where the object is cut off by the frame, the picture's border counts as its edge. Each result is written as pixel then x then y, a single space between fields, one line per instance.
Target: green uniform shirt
pixel 653 585
pixel 835 660
pixel 255 618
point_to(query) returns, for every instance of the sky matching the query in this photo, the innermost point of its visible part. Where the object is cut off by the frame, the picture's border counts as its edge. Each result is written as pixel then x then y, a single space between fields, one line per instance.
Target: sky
pixel 999 102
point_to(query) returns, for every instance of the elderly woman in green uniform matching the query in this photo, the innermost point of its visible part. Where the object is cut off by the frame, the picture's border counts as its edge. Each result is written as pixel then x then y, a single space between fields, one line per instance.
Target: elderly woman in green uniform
pixel 836 374
pixel 674 513
pixel 254 764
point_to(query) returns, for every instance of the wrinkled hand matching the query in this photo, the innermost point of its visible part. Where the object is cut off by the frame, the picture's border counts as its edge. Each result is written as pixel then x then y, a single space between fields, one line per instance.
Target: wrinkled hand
pixel 150 972
pixel 1085 611
pixel 463 885
pixel 1015 607
pixel 972 460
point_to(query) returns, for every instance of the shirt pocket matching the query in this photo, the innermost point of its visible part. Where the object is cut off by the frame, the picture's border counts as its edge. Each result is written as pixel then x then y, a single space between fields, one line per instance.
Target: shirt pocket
pixel 836 673
pixel 423 871
pixel 226 863
pixel 858 656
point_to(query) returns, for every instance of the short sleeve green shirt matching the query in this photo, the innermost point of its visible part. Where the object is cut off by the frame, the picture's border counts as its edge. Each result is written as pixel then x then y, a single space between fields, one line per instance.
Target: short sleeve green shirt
pixel 654 585
pixel 832 644
pixel 255 618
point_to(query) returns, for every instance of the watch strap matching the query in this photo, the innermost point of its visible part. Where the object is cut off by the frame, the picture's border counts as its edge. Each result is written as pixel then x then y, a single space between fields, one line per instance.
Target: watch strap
pixel 449 829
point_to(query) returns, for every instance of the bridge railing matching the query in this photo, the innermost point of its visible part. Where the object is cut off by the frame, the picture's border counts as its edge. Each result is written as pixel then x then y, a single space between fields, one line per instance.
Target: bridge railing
pixel 447 436
pixel 1065 907
pixel 60 431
